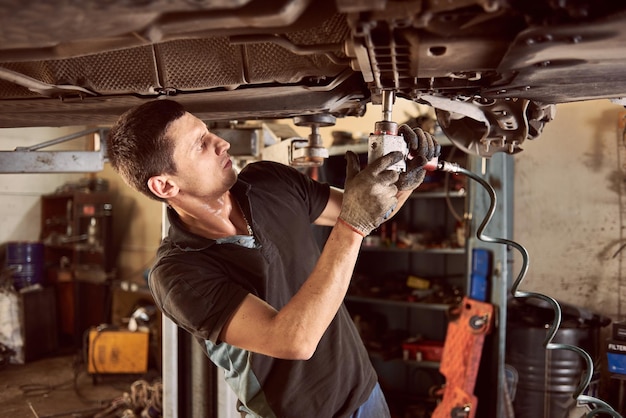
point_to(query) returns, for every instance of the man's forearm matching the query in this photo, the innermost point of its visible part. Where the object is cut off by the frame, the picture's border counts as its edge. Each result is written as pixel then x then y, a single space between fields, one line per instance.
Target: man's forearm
pixel 309 313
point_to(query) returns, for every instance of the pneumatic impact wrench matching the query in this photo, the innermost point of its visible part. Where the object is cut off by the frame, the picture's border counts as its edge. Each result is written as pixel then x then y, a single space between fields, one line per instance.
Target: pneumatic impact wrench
pixel 385 139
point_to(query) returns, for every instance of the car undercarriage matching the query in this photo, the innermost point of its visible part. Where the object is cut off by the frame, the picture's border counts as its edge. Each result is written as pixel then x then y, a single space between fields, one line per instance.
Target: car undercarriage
pixel 492 69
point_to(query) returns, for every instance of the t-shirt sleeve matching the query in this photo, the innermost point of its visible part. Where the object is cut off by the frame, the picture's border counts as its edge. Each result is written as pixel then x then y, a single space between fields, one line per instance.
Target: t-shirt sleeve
pixel 198 299
pixel 286 179
pixel 197 289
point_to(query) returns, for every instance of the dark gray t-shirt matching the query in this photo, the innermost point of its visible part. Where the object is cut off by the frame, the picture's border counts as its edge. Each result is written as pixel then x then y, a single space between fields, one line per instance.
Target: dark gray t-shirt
pixel 198 283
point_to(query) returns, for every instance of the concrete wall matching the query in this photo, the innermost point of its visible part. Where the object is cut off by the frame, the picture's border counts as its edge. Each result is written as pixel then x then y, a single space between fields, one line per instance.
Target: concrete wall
pixel 567 208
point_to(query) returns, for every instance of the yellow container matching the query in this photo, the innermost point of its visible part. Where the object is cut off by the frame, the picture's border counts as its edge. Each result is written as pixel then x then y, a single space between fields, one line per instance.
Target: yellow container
pixel 417 282
pixel 117 351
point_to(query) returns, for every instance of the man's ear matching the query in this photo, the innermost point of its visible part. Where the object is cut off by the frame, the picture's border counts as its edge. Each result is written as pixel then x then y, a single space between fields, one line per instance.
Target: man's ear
pixel 162 187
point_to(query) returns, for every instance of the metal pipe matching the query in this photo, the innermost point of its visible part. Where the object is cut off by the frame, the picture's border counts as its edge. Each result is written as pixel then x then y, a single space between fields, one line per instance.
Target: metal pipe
pixel 38 86
pixel 388 101
pixel 323 49
pixel 101 131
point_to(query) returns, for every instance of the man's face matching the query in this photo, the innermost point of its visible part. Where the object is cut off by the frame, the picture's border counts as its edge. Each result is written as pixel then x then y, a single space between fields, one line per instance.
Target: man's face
pixel 204 168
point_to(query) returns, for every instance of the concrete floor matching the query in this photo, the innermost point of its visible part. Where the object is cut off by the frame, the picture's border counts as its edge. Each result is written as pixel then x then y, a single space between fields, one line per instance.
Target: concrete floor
pixel 57 387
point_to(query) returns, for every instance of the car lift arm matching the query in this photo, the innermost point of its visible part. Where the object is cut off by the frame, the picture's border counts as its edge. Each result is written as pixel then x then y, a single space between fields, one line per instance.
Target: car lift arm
pixel 32 160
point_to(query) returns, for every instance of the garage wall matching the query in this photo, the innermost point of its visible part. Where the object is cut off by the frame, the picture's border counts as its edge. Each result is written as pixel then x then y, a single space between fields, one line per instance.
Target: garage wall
pixel 567 208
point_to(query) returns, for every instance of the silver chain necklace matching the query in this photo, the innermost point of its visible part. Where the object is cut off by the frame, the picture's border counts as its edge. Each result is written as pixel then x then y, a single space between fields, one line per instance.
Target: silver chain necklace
pixel 248 227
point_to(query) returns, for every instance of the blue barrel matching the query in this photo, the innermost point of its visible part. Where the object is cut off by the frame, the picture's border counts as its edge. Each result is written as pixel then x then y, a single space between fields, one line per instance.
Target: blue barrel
pixel 26 260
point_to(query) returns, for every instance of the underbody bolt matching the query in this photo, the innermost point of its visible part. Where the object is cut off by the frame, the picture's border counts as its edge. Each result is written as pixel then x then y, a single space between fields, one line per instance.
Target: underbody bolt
pixel 576 39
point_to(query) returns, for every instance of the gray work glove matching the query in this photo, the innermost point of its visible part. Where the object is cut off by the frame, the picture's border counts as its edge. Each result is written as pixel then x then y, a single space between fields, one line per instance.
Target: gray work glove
pixel 422 149
pixel 370 195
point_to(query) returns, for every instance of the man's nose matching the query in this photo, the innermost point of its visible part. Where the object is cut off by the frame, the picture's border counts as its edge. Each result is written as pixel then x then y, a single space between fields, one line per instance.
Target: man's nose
pixel 222 146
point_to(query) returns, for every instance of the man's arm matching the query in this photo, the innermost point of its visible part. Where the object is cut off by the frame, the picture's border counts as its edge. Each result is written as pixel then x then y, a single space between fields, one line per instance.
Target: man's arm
pixel 295 330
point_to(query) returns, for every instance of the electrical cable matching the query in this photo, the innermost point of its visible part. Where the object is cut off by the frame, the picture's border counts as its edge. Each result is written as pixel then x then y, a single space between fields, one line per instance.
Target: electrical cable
pixel 548 343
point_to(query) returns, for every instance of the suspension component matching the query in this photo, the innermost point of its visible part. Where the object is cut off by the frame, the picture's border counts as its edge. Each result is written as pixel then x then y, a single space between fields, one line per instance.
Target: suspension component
pixel 311 153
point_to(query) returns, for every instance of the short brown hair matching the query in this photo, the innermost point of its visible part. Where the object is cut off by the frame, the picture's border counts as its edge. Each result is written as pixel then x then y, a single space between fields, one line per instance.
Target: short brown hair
pixel 137 145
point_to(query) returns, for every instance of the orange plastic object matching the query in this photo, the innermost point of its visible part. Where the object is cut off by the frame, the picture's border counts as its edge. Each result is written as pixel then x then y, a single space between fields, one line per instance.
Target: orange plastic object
pixel 460 360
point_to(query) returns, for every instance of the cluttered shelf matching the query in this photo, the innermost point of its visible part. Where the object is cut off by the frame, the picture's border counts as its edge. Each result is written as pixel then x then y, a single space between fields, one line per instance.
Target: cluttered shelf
pixel 421 228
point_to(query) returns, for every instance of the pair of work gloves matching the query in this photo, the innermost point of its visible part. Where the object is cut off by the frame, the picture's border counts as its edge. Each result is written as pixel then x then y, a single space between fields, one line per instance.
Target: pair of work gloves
pixel 369 195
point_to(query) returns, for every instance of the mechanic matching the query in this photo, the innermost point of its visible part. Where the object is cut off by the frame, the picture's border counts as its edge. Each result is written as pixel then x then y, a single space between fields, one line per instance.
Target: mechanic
pixel 241 270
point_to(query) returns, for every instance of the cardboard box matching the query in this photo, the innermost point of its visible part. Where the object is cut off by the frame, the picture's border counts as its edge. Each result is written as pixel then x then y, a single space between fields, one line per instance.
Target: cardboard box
pixel 117 351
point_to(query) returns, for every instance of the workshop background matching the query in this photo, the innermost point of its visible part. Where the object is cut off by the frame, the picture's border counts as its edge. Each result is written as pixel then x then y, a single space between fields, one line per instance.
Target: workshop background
pixel 568 208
